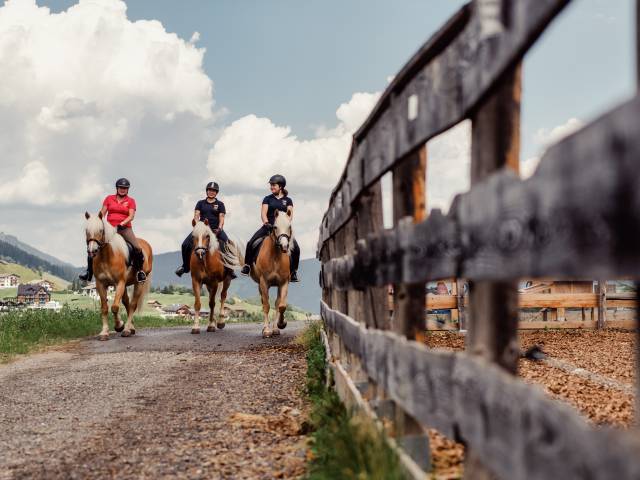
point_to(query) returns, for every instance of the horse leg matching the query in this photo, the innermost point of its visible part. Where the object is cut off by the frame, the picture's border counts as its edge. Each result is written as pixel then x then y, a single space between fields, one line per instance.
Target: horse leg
pixel 223 297
pixel 104 310
pixel 264 295
pixel 213 289
pixel 115 307
pixel 127 306
pixel 138 292
pixel 282 304
pixel 196 306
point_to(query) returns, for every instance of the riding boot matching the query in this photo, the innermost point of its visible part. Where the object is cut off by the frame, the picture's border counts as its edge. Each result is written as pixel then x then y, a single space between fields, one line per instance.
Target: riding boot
pixel 88 275
pixel 137 262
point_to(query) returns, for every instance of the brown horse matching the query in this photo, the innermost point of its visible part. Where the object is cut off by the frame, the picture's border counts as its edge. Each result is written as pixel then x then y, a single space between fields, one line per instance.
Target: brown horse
pixel 271 269
pixel 207 266
pixel 110 257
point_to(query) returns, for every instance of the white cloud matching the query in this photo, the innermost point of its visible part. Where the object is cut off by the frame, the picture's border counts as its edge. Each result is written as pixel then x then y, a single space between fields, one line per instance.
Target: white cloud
pixel 88 96
pixel 544 138
pixel 252 149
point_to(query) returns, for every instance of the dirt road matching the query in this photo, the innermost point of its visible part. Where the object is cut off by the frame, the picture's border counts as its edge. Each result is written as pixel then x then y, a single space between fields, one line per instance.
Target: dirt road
pixel 162 404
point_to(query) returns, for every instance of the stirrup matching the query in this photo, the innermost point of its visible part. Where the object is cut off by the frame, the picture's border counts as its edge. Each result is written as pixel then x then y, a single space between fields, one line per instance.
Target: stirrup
pixel 180 271
pixel 86 276
pixel 294 277
pixel 141 277
pixel 246 270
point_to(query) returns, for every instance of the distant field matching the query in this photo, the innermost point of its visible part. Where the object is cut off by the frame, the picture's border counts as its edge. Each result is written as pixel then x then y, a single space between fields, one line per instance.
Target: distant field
pixel 85 302
pixel 26 275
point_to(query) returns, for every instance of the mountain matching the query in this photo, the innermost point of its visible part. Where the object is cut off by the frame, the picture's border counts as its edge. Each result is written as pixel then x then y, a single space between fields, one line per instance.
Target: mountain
pixel 12 249
pixel 305 294
pixel 27 275
pixel 10 239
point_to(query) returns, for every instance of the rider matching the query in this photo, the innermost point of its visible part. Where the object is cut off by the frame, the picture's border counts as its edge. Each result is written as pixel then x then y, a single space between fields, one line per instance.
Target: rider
pixel 278 200
pixel 213 210
pixel 120 210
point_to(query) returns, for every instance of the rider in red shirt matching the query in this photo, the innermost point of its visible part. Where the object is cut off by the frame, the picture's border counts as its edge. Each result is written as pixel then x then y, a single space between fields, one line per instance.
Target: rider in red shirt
pixel 120 210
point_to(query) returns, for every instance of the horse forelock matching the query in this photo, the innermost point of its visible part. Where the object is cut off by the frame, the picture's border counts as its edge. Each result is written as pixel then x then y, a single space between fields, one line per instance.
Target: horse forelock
pixel 200 230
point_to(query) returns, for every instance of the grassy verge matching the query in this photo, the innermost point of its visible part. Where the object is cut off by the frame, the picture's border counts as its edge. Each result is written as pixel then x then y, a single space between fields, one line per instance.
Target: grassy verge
pixel 342 446
pixel 24 331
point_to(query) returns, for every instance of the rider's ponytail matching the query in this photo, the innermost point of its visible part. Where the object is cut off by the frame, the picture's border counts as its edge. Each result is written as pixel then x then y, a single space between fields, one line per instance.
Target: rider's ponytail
pixel 285 192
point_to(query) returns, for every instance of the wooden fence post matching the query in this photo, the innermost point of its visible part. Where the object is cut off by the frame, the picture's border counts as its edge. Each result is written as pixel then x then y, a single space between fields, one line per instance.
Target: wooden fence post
pixel 493 306
pixel 409 300
pixel 409 200
pixel 602 304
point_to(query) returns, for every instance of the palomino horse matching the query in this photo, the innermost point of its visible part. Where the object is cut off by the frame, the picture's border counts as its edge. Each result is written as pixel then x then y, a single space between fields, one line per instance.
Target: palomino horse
pixel 207 266
pixel 271 269
pixel 110 257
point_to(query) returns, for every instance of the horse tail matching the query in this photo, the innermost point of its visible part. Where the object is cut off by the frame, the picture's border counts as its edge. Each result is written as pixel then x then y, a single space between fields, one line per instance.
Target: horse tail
pixel 146 287
pixel 233 254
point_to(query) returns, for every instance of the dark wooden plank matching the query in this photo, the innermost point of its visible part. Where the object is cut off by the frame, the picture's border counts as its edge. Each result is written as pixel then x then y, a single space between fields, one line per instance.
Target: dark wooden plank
pixel 602 303
pixel 437 89
pixel 550 225
pixel 514 427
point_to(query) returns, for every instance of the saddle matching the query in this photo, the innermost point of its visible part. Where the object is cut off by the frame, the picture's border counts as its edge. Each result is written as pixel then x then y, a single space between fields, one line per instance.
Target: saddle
pixel 255 246
pixel 132 255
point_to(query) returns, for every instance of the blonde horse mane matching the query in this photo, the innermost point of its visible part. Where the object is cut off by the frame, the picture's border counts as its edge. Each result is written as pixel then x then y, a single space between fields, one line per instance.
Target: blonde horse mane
pixel 96 225
pixel 200 230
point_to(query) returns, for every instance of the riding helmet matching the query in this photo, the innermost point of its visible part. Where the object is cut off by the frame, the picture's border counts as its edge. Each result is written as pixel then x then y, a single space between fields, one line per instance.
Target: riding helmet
pixel 122 183
pixel 212 186
pixel 279 180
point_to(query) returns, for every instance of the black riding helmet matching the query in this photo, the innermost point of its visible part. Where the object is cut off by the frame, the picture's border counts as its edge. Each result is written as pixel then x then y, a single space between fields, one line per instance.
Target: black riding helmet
pixel 279 180
pixel 212 186
pixel 122 183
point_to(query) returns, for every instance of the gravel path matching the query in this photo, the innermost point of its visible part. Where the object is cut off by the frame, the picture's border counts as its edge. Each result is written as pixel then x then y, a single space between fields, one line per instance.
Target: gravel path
pixel 162 404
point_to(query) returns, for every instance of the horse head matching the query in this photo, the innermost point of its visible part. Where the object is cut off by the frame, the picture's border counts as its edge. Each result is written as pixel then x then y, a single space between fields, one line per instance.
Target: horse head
pixel 282 231
pixel 201 238
pixel 94 233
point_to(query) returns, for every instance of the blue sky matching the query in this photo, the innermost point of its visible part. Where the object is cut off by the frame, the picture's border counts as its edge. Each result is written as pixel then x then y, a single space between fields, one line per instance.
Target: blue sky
pixel 296 61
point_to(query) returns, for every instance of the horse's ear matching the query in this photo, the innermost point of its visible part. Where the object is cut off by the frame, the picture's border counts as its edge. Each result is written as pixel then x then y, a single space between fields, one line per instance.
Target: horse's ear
pixel 86 215
pixel 193 222
pixel 206 222
pixel 289 213
pixel 100 214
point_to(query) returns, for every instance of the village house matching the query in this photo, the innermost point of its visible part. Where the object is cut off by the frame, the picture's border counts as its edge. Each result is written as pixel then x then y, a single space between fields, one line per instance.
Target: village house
pixel 9 280
pixel 176 310
pixel 91 291
pixel 32 294
pixel 48 285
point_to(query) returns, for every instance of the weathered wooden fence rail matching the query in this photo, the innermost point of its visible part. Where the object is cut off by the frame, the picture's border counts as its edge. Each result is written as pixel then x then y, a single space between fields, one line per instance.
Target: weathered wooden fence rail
pixel 578 216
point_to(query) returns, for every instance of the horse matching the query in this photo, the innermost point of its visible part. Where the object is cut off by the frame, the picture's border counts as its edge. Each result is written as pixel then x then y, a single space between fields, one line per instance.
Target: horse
pixel 207 265
pixel 110 255
pixel 271 269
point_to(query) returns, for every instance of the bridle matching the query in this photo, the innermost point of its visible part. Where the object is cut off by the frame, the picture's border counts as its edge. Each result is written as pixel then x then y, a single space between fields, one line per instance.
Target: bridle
pixel 99 242
pixel 204 249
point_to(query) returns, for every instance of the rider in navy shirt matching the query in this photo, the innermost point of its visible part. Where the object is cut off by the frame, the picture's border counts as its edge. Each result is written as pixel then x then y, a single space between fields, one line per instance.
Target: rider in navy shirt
pixel 213 210
pixel 278 200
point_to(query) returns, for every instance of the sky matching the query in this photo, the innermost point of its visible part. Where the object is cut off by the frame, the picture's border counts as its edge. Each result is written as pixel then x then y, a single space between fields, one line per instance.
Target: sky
pixel 174 94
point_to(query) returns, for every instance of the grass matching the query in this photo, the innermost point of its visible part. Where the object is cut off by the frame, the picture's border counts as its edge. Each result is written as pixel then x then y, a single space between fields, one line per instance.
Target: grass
pixel 25 331
pixel 27 274
pixel 343 446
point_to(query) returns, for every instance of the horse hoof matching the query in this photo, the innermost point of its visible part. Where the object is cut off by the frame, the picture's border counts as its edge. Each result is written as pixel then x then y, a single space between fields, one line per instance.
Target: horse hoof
pixel 126 333
pixel 195 331
pixel 275 332
pixel 103 338
pixel 120 328
pixel 282 325
pixel 211 328
pixel 220 325
pixel 266 333
pixel 133 331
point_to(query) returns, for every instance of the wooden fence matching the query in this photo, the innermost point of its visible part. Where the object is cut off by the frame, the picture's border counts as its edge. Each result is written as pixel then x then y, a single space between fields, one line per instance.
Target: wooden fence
pixel 578 216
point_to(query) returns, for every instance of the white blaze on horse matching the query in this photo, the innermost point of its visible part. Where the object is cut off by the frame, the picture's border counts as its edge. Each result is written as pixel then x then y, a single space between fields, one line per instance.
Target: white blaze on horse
pixel 110 257
pixel 271 269
pixel 207 265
